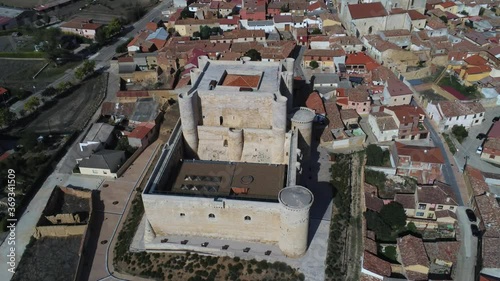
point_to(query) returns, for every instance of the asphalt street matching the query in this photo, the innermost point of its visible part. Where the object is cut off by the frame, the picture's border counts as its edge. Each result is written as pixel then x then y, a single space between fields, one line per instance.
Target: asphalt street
pixel 449 176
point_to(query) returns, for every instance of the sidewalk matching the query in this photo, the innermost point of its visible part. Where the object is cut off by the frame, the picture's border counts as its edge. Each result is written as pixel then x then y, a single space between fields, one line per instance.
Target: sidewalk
pixel 125 187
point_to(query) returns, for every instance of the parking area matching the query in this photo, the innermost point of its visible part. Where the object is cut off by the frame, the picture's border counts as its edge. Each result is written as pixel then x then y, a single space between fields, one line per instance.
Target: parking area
pixel 469 146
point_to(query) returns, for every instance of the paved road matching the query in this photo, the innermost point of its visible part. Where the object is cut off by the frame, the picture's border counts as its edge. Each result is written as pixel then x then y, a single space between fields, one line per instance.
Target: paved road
pixel 471 143
pixel 466 258
pixel 448 172
pixel 104 55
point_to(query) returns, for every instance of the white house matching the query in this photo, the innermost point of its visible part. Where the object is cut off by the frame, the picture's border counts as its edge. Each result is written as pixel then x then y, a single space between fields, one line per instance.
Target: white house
pixel 447 114
pixel 384 126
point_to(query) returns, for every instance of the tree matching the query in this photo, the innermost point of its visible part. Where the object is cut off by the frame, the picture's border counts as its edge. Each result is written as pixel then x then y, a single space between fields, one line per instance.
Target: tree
pixel 316 31
pixel 285 8
pixel 444 19
pixel 197 34
pixel 459 132
pixel 100 36
pixel 375 178
pixel 6 117
pixel 123 145
pixel 253 54
pixel 374 155
pixel 314 64
pixel 87 68
pixel 205 32
pixel 32 104
pixel 114 27
pixel 393 214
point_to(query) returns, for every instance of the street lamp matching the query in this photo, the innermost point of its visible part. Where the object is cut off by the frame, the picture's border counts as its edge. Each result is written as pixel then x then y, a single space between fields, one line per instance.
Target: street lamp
pixel 466 158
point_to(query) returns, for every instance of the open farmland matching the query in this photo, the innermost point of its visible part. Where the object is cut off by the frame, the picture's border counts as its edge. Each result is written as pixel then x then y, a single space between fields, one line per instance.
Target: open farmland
pixel 99 10
pixel 18 73
pixel 71 112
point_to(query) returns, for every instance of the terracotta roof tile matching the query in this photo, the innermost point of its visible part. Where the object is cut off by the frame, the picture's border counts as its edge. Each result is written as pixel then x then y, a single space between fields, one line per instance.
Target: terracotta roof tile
pixel 458 108
pixel 476 179
pixel 371 246
pixel 439 193
pixel 373 202
pixel 348 114
pixel 407 200
pixel 367 10
pixel 315 102
pixel 396 87
pixel 376 265
pixel 491 252
pixel 412 251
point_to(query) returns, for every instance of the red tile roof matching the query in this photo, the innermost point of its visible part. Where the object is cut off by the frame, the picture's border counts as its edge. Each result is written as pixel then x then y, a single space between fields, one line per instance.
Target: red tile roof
pixel 373 202
pixel 234 80
pixel 491 252
pixel 361 59
pixel 315 102
pixel 439 193
pixel 415 15
pixel 152 26
pixel 447 4
pixel 476 60
pixel 367 10
pixel 476 179
pixel 494 131
pixel 396 87
pixel 141 131
pixel 81 24
pixel 3 91
pixel 412 251
pixel 376 265
pixel 407 200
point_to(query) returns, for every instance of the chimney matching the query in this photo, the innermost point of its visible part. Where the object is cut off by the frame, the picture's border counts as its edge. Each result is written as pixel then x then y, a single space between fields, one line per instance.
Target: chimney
pixel 448 199
pixel 425 151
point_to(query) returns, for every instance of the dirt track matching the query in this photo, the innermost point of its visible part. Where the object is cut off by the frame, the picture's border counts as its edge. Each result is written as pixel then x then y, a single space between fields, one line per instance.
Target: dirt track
pixel 71 112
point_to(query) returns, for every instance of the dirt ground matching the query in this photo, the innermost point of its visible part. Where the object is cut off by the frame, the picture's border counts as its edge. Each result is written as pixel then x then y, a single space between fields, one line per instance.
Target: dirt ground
pixel 42 262
pixel 72 111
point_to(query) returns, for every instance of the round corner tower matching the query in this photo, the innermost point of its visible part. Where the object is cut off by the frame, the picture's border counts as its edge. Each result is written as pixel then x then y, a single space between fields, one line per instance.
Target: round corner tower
pixel 295 204
pixel 188 121
pixel 302 122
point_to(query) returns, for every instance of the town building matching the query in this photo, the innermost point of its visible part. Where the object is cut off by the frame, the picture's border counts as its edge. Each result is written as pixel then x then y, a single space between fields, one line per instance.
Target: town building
pixel 447 114
pixel 413 258
pixel 99 136
pixel 428 200
pixel 396 92
pixel 102 163
pixel 215 179
pixel 423 163
pixel 370 18
pixel 491 146
pixel 80 26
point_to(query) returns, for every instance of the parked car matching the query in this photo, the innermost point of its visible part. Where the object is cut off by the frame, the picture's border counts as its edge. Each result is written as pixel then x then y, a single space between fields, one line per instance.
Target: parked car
pixel 481 136
pixel 475 230
pixel 471 215
pixel 496 119
pixel 479 150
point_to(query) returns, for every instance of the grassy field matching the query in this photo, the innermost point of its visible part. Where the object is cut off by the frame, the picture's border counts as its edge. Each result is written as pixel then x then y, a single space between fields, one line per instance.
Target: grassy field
pixel 18 73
